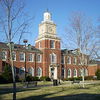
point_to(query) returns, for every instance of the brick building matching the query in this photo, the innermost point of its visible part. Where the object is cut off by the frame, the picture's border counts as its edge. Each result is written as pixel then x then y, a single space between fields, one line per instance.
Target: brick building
pixel 46 58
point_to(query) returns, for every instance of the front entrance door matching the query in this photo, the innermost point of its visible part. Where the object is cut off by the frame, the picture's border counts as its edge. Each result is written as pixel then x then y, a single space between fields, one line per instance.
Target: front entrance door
pixel 53 73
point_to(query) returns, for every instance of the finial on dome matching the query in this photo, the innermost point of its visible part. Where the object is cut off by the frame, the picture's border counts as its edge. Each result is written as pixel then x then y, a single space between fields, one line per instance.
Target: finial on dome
pixel 47 15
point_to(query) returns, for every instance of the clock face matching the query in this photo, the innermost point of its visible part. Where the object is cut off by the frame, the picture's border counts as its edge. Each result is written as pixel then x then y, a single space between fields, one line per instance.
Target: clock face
pixel 50 29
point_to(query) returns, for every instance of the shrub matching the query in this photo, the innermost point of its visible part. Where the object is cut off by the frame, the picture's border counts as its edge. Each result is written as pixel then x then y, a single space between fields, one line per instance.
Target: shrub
pixel 48 79
pixel 35 79
pixel 74 78
pixel 45 78
pixel 7 74
pixel 88 78
pixel 29 78
pixel 2 80
pixel 98 74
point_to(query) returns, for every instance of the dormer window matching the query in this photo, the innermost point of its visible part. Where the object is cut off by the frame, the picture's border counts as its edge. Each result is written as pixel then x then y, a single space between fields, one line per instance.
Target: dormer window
pixel 52 44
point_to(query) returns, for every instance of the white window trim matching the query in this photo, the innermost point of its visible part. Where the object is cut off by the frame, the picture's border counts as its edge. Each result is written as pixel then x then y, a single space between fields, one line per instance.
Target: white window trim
pixel 54 44
pixel 76 73
pixel 75 61
pixel 24 57
pixel 32 70
pixel 39 45
pixel 32 57
pixel 40 58
pixel 55 58
pixel 70 73
pixel 15 55
pixel 80 72
pixel 40 70
pixel 5 55
pixel 69 60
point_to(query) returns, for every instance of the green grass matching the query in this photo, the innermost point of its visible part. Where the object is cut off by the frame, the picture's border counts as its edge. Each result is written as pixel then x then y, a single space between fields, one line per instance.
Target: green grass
pixel 61 92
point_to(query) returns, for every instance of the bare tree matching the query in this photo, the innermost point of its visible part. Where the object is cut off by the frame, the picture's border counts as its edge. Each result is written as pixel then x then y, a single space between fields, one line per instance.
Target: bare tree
pixel 13 24
pixel 81 34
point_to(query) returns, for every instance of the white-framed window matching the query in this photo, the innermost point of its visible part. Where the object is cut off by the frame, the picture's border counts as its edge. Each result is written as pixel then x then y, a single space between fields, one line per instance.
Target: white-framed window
pixel 4 55
pixel 69 72
pixel 39 45
pixel 21 70
pixel 74 60
pixel 69 60
pixel 80 72
pixel 80 61
pixel 39 72
pixel 53 58
pixel 22 56
pixel 14 56
pixel 75 73
pixel 39 58
pixel 30 57
pixel 31 71
pixel 85 72
pixel 52 44
pixel 85 61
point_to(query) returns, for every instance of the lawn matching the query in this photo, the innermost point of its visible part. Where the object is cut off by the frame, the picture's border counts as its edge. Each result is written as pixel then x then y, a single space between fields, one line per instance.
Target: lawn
pixel 45 91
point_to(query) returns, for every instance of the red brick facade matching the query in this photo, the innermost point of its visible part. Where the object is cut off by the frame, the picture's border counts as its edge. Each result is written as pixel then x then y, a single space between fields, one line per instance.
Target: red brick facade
pixel 54 61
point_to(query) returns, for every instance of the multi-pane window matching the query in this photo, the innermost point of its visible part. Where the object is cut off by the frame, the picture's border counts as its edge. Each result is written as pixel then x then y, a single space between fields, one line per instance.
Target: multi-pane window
pixel 4 55
pixel 52 44
pixel 30 57
pixel 53 58
pixel 80 72
pixel 69 73
pixel 69 60
pixel 31 71
pixel 22 56
pixel 14 56
pixel 39 72
pixel 85 72
pixel 80 61
pixel 75 73
pixel 74 60
pixel 38 58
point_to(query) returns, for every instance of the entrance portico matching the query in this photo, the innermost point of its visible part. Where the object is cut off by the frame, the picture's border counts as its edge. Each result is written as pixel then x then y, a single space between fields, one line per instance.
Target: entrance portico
pixel 53 71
